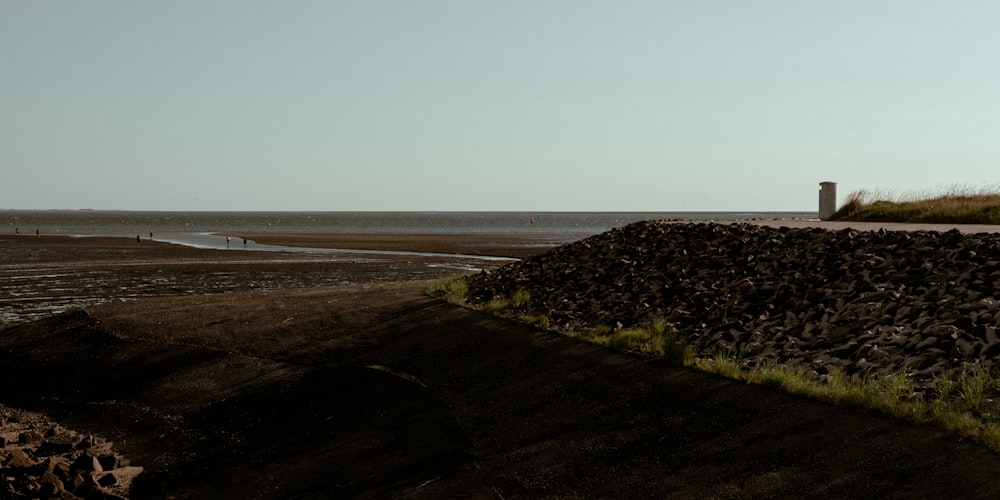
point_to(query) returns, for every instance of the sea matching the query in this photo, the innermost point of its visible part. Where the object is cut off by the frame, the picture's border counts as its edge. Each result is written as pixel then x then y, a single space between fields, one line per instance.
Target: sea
pixel 202 229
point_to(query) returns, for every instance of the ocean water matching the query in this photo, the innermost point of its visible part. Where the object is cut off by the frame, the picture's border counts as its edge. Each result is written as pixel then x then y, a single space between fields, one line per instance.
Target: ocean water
pixel 178 224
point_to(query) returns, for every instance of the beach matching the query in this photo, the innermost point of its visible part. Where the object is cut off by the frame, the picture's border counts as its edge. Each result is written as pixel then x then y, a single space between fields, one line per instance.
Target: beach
pixel 236 374
pixel 54 273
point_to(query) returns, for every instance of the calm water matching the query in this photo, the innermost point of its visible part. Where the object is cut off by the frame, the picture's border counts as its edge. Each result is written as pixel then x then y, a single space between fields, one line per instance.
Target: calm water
pixel 131 223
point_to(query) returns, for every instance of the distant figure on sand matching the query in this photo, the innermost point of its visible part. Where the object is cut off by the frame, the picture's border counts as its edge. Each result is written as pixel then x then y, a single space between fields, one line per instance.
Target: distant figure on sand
pixel 38 233
pixel 244 242
pixel 17 230
pixel 150 236
pixel 138 239
pixel 227 241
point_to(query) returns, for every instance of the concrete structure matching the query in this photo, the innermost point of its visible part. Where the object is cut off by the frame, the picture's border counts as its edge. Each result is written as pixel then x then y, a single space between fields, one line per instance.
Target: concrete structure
pixel 827 199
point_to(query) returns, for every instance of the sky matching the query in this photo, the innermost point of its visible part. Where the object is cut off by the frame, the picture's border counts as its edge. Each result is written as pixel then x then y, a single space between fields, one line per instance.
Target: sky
pixel 516 105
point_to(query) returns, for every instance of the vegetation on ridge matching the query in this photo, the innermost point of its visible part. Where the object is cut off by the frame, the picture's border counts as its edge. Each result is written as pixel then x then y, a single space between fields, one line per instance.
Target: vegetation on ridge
pixel 958 205
pixel 961 403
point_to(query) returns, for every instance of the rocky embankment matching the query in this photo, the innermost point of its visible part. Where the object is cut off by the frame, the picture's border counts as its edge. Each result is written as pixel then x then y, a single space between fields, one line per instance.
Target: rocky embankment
pixel 861 301
pixel 40 459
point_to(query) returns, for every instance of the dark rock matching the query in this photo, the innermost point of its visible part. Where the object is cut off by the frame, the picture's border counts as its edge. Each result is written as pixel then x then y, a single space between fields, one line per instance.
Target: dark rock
pixel 77 482
pixel 50 485
pixel 87 463
pixel 18 459
pixel 30 437
pixel 68 495
pixel 55 446
pixel 108 462
pixel 107 480
pixel 58 466
pixel 86 442
pixel 890 298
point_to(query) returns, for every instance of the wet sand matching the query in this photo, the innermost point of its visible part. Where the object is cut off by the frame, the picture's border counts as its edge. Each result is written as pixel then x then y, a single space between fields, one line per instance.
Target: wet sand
pixel 498 245
pixel 42 275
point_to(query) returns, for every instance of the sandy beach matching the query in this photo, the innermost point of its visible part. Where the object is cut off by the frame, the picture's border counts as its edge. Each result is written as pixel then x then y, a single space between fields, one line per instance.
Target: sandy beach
pixel 300 387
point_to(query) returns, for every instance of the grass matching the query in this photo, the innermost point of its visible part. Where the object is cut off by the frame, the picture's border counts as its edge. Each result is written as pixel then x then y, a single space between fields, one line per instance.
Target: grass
pixel 956 205
pixel 963 402
pixel 658 340
pixel 452 289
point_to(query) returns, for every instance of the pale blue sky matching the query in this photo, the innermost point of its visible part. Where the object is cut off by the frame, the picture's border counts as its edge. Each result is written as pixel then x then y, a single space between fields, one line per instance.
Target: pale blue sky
pixel 473 105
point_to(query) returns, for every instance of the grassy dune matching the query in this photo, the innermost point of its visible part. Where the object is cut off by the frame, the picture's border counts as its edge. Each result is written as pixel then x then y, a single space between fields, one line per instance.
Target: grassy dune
pixel 960 205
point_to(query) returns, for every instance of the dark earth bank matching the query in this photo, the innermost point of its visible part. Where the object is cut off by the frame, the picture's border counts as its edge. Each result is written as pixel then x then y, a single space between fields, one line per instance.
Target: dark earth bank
pixel 377 391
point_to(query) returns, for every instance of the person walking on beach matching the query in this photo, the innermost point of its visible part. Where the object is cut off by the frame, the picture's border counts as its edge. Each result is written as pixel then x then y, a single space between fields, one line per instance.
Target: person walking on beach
pixel 227 241
pixel 138 239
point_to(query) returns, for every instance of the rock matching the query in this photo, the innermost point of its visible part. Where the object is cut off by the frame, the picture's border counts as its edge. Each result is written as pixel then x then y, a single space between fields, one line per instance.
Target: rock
pixel 57 445
pixel 18 459
pixel 108 462
pixel 87 463
pixel 45 461
pixel 966 349
pixel 87 442
pixel 30 437
pixel 51 485
pixel 58 466
pixel 85 485
pixel 889 298
pixel 107 480
pixel 78 481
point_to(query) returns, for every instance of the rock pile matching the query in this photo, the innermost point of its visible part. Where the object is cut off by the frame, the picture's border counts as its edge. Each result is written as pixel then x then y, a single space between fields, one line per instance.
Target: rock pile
pixel 39 459
pixel 875 301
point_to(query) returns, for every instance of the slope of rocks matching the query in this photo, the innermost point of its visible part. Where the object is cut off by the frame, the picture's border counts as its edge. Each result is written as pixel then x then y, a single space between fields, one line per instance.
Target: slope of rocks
pixel 862 301
pixel 41 459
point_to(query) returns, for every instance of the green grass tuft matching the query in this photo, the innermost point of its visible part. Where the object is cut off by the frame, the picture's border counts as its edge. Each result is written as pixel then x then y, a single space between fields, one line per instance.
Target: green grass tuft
pixel 452 289
pixel 521 299
pixel 963 403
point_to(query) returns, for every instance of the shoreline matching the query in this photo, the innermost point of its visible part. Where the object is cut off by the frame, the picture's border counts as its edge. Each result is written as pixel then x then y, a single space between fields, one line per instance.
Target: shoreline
pixel 119 268
pixel 47 274
pixel 488 245
pixel 503 245
pixel 226 373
